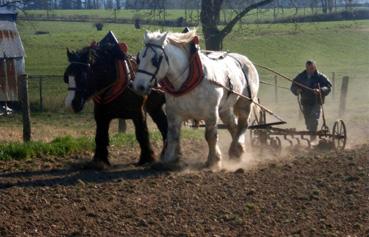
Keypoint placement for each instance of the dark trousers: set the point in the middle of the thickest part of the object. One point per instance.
(311, 115)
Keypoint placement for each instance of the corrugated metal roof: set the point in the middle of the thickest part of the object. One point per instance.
(10, 41)
(8, 10)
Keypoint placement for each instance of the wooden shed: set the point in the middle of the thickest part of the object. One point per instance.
(12, 55)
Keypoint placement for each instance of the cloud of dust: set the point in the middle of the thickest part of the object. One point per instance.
(253, 158)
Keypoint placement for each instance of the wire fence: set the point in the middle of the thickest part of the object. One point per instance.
(47, 92)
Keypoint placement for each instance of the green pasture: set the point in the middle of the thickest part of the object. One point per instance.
(173, 14)
(336, 46)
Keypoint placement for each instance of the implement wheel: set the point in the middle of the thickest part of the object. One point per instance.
(339, 135)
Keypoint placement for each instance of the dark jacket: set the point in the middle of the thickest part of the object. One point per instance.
(308, 97)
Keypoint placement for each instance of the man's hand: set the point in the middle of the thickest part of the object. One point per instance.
(316, 91)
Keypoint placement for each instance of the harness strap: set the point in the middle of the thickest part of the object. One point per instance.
(249, 99)
(115, 89)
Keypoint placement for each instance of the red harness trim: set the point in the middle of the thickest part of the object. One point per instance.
(121, 82)
(118, 87)
(196, 74)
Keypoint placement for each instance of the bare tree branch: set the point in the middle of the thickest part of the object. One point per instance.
(228, 28)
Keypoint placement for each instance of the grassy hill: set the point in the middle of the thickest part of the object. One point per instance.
(337, 46)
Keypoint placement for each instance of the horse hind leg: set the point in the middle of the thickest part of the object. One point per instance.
(242, 109)
(229, 119)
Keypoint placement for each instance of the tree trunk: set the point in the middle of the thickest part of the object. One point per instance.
(324, 6)
(214, 40)
(210, 15)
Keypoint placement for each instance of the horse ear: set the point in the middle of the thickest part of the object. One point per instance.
(163, 38)
(69, 54)
(146, 36)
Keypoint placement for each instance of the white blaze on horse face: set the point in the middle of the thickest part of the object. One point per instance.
(71, 93)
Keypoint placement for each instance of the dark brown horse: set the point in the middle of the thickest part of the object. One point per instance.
(93, 72)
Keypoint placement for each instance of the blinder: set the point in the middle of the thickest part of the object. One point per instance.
(156, 61)
(76, 89)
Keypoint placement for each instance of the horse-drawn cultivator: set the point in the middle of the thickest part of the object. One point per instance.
(267, 134)
(263, 134)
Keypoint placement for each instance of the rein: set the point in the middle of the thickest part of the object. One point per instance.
(249, 99)
(285, 77)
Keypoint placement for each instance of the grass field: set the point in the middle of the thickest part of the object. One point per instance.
(173, 14)
(265, 14)
(340, 47)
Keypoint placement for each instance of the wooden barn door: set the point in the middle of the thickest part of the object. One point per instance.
(8, 80)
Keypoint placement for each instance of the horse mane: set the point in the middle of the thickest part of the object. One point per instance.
(179, 39)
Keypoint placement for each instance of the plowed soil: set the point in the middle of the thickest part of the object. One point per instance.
(305, 193)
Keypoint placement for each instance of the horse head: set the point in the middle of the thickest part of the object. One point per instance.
(90, 70)
(165, 56)
(153, 63)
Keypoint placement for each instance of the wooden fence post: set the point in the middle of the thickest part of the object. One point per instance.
(5, 68)
(344, 89)
(122, 126)
(23, 97)
(41, 98)
(333, 85)
(276, 89)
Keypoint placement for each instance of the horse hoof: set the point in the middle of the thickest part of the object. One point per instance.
(143, 162)
(213, 165)
(97, 165)
(171, 166)
(236, 150)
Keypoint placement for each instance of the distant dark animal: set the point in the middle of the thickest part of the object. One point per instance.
(103, 73)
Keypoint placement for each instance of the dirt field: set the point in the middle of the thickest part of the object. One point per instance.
(310, 194)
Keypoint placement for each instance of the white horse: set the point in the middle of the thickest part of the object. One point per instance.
(166, 55)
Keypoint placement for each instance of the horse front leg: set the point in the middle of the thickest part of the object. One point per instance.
(211, 136)
(160, 119)
(172, 152)
(142, 135)
(100, 159)
(154, 106)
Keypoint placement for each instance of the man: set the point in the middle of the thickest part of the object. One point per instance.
(311, 99)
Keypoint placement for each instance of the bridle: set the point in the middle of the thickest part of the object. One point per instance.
(75, 88)
(156, 61)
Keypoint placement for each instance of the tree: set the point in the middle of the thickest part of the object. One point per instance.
(210, 17)
(118, 4)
